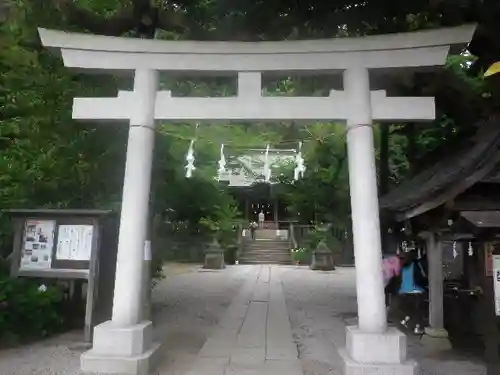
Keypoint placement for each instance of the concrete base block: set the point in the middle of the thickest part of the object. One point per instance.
(121, 350)
(388, 347)
(436, 340)
(127, 341)
(351, 367)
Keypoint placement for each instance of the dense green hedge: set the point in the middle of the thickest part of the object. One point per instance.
(29, 309)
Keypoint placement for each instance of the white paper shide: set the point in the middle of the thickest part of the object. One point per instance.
(74, 242)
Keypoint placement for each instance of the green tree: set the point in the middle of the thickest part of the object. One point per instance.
(322, 195)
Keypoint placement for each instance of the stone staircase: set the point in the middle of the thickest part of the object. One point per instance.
(267, 248)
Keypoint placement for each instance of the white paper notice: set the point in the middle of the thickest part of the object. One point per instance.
(147, 250)
(38, 243)
(74, 242)
(496, 282)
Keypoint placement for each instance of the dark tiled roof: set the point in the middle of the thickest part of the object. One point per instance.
(446, 173)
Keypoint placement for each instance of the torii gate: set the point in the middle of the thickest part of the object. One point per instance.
(124, 345)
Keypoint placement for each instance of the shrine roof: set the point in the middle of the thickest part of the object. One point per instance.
(448, 177)
(483, 219)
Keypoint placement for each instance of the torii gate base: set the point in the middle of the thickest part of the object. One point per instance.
(124, 345)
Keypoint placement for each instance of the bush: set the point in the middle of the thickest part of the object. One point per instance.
(230, 253)
(301, 255)
(29, 310)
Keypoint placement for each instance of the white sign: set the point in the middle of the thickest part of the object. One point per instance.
(147, 250)
(38, 243)
(74, 242)
(496, 282)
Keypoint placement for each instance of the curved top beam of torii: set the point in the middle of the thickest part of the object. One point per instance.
(381, 54)
(422, 48)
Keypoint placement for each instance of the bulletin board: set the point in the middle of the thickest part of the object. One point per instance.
(66, 245)
(57, 246)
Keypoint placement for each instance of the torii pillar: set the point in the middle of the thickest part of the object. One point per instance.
(123, 345)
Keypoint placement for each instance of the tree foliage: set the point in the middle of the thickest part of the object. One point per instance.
(48, 160)
(322, 195)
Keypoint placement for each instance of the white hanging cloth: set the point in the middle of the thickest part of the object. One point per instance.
(471, 249)
(190, 160)
(300, 167)
(222, 163)
(267, 168)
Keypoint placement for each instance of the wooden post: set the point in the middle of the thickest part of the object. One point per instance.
(436, 337)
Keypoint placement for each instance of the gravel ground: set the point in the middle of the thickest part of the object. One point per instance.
(320, 304)
(185, 306)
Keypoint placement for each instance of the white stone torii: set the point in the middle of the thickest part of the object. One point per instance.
(124, 345)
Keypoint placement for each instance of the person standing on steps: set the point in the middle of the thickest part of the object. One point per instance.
(261, 219)
(253, 228)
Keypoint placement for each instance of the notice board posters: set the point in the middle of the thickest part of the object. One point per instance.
(74, 242)
(38, 242)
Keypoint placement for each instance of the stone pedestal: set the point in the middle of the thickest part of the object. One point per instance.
(122, 350)
(377, 353)
(322, 258)
(436, 340)
(214, 257)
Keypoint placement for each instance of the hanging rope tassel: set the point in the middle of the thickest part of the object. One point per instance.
(222, 164)
(267, 168)
(190, 160)
(299, 161)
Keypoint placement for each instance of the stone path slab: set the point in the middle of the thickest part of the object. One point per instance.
(254, 336)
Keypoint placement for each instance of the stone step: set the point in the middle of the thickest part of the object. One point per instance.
(266, 256)
(265, 253)
(271, 249)
(280, 258)
(270, 259)
(266, 240)
(267, 246)
(270, 234)
(281, 262)
(270, 253)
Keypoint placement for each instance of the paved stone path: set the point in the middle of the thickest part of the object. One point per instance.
(254, 336)
(244, 320)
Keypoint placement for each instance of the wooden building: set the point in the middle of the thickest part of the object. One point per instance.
(246, 181)
(452, 211)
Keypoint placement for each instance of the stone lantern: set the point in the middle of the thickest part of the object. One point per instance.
(322, 258)
(214, 256)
